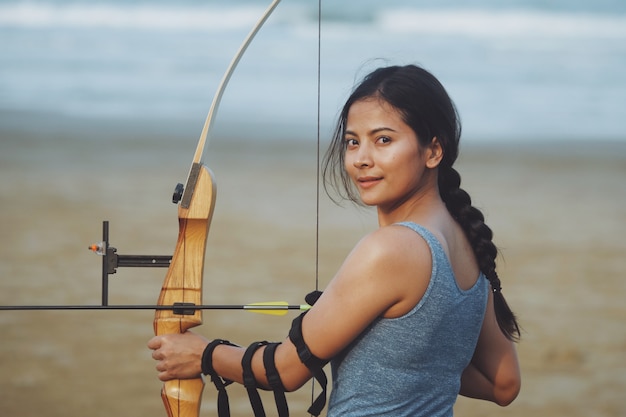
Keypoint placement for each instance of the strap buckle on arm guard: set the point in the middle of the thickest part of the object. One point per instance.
(312, 362)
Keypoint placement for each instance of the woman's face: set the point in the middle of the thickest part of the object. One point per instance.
(382, 154)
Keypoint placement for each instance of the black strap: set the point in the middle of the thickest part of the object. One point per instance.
(312, 297)
(249, 380)
(306, 356)
(273, 378)
(223, 407)
(312, 362)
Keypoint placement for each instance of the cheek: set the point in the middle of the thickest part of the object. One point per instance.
(411, 169)
(400, 163)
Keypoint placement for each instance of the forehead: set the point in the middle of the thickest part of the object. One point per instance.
(373, 112)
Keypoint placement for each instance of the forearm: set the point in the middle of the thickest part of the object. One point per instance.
(474, 384)
(493, 373)
(226, 361)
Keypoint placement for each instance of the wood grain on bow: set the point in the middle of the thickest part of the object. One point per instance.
(183, 282)
(183, 285)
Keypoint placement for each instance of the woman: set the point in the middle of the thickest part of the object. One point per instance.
(415, 314)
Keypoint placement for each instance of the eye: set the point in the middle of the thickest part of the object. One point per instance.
(383, 139)
(351, 142)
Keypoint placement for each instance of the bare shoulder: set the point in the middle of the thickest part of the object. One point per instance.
(399, 262)
(395, 242)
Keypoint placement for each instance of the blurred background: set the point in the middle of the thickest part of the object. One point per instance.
(102, 103)
(524, 69)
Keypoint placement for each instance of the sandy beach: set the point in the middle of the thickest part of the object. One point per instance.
(558, 211)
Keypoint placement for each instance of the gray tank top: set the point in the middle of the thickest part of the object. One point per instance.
(411, 365)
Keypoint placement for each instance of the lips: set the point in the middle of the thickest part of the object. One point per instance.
(367, 182)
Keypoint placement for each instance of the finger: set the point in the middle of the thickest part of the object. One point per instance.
(160, 367)
(164, 376)
(155, 343)
(164, 373)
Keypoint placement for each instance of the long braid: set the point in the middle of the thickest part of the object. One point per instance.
(472, 221)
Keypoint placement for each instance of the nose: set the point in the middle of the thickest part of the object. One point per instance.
(363, 158)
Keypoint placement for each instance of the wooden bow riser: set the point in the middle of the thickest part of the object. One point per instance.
(183, 285)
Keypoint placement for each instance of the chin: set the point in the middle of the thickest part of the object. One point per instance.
(370, 202)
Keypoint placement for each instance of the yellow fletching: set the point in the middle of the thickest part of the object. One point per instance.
(273, 308)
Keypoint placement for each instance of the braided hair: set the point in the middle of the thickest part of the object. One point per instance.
(426, 107)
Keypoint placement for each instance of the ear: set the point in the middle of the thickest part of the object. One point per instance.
(434, 153)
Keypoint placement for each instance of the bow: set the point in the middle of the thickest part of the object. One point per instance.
(183, 281)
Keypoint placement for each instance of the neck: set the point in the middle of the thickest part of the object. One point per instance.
(419, 208)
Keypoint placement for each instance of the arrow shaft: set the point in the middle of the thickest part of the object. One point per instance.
(269, 307)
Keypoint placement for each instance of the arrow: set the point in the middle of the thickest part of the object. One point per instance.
(274, 308)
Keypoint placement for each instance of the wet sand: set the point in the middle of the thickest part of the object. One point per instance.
(558, 213)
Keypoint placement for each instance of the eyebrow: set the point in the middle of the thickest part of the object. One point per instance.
(373, 131)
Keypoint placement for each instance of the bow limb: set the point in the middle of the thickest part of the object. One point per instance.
(183, 281)
(229, 72)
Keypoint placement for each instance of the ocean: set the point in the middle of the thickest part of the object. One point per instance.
(101, 105)
(517, 70)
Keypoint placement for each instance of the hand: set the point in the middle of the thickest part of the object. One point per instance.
(179, 356)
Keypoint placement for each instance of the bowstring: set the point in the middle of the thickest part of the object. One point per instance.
(317, 176)
(318, 146)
